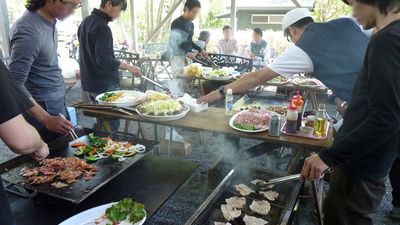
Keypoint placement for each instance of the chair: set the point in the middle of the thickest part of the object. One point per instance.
(126, 57)
(165, 57)
(147, 70)
(241, 64)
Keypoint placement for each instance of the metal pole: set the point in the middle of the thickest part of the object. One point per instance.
(133, 25)
(85, 9)
(4, 27)
(233, 17)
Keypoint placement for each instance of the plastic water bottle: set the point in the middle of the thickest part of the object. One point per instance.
(229, 103)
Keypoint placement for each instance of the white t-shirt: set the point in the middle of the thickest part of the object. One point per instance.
(294, 60)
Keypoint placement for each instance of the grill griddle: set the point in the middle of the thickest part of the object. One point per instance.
(281, 208)
(108, 168)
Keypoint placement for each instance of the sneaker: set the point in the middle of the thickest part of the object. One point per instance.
(395, 213)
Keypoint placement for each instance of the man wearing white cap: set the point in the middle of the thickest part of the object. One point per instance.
(333, 52)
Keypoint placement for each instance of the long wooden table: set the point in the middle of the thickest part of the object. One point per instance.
(214, 120)
(189, 82)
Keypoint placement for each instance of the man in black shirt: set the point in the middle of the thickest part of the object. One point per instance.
(367, 144)
(99, 68)
(12, 127)
(181, 37)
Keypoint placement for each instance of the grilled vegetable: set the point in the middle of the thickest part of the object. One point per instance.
(91, 158)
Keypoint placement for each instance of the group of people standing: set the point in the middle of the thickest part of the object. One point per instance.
(183, 46)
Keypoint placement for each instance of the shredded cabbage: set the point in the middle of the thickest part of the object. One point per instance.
(162, 106)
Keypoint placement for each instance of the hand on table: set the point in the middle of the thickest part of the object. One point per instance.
(215, 95)
(135, 71)
(41, 153)
(335, 120)
(313, 168)
(58, 125)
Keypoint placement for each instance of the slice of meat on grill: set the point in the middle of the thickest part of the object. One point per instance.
(260, 207)
(70, 181)
(59, 185)
(270, 195)
(230, 212)
(25, 172)
(219, 223)
(251, 220)
(243, 189)
(258, 180)
(89, 174)
(236, 202)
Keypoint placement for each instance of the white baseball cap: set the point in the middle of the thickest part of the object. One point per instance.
(293, 16)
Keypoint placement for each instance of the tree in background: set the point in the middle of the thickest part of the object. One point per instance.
(326, 10)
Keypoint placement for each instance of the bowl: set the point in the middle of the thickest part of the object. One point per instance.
(306, 131)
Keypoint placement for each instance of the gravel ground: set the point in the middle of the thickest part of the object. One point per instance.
(180, 207)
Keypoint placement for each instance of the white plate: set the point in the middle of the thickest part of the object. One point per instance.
(136, 94)
(90, 216)
(247, 131)
(277, 82)
(296, 82)
(164, 118)
(217, 78)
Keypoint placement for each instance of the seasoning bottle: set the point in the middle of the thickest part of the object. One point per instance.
(320, 121)
(291, 119)
(299, 103)
(229, 103)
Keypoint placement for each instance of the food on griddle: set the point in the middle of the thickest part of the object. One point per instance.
(230, 212)
(250, 107)
(236, 202)
(78, 144)
(65, 169)
(219, 223)
(162, 108)
(194, 70)
(243, 189)
(258, 180)
(155, 96)
(253, 119)
(59, 185)
(278, 79)
(218, 73)
(270, 195)
(260, 207)
(251, 220)
(278, 109)
(125, 209)
(121, 97)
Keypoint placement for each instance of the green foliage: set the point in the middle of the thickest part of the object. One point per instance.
(326, 10)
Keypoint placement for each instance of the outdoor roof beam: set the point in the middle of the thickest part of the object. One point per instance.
(296, 3)
(233, 17)
(155, 32)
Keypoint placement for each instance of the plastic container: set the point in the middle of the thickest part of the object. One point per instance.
(299, 103)
(306, 131)
(291, 119)
(229, 103)
(310, 121)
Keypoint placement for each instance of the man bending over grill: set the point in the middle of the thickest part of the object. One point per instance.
(368, 143)
(14, 128)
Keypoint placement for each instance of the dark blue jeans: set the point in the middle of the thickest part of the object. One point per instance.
(394, 176)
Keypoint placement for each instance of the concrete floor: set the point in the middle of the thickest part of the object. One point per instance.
(180, 207)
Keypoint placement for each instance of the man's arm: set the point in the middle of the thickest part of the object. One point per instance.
(11, 132)
(383, 120)
(104, 57)
(24, 50)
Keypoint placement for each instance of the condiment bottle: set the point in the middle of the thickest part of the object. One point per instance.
(299, 103)
(291, 119)
(320, 121)
(229, 103)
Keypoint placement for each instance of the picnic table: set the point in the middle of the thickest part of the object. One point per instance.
(199, 122)
(190, 83)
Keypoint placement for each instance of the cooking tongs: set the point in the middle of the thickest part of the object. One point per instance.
(159, 85)
(265, 184)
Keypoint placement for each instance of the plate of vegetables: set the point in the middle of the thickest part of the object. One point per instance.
(102, 148)
(251, 121)
(307, 82)
(278, 80)
(163, 110)
(121, 98)
(219, 74)
(124, 212)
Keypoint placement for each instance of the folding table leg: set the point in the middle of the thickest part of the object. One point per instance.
(170, 142)
(142, 131)
(127, 124)
(106, 125)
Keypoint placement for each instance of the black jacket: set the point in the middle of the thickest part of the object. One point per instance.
(99, 68)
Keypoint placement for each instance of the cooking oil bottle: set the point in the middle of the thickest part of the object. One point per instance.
(320, 121)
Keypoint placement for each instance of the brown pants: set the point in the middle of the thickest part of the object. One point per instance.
(350, 201)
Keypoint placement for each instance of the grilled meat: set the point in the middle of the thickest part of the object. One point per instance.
(59, 185)
(260, 207)
(270, 195)
(230, 212)
(236, 202)
(243, 189)
(251, 220)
